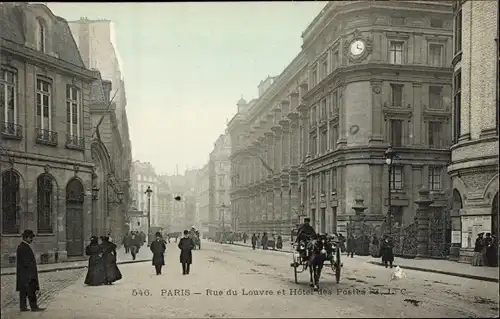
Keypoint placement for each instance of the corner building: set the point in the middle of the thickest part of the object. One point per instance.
(265, 156)
(379, 75)
(474, 153)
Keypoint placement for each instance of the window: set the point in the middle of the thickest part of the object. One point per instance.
(324, 68)
(435, 178)
(43, 104)
(323, 141)
(396, 51)
(44, 203)
(334, 104)
(436, 23)
(73, 110)
(435, 132)
(435, 97)
(42, 33)
(457, 32)
(397, 215)
(313, 115)
(8, 101)
(314, 145)
(324, 115)
(334, 131)
(322, 182)
(397, 94)
(313, 185)
(314, 77)
(397, 178)
(10, 202)
(457, 91)
(336, 60)
(334, 180)
(435, 55)
(221, 180)
(396, 132)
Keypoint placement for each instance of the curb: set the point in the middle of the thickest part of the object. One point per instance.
(449, 273)
(77, 267)
(250, 247)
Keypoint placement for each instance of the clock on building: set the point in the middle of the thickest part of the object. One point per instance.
(357, 47)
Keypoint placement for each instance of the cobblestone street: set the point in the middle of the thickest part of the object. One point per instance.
(264, 287)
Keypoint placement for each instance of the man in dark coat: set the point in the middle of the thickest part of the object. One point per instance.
(305, 231)
(254, 241)
(27, 273)
(186, 245)
(134, 244)
(158, 248)
(126, 242)
(386, 251)
(351, 245)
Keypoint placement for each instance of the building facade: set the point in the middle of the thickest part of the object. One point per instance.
(203, 191)
(45, 156)
(144, 176)
(265, 161)
(474, 154)
(164, 202)
(219, 182)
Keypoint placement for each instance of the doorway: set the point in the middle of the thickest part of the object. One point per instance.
(74, 218)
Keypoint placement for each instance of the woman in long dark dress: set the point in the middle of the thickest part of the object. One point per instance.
(109, 257)
(386, 251)
(95, 273)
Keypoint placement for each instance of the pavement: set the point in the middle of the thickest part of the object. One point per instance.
(234, 281)
(122, 258)
(445, 267)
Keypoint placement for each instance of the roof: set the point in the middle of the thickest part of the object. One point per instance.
(241, 101)
(12, 29)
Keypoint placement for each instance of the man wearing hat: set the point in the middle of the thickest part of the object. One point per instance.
(27, 273)
(305, 231)
(158, 248)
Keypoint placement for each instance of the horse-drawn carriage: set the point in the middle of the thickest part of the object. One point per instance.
(313, 253)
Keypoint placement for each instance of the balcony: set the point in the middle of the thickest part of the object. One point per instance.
(46, 137)
(75, 142)
(11, 131)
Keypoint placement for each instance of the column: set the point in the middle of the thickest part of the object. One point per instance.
(377, 135)
(423, 205)
(277, 166)
(270, 200)
(294, 173)
(342, 141)
(285, 136)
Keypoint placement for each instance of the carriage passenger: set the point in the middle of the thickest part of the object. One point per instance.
(305, 231)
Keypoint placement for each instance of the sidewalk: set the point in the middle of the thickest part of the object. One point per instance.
(122, 258)
(438, 266)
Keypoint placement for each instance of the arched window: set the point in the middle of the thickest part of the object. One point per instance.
(42, 34)
(44, 203)
(10, 202)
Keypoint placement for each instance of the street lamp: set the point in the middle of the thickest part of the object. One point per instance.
(119, 196)
(148, 192)
(390, 155)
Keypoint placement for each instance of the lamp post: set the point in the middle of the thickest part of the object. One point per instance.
(148, 192)
(95, 196)
(390, 155)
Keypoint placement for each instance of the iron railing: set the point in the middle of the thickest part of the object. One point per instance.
(11, 130)
(75, 142)
(46, 137)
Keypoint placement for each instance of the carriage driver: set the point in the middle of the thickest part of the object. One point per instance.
(306, 231)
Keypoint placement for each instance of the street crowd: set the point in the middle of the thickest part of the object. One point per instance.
(485, 251)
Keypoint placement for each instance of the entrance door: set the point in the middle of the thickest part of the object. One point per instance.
(74, 218)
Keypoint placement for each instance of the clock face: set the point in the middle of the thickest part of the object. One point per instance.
(357, 47)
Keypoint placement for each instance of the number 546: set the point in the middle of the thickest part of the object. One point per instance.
(139, 292)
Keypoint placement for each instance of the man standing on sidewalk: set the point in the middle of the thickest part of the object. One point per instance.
(27, 273)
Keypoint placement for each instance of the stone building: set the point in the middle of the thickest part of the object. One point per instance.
(203, 191)
(219, 170)
(379, 75)
(45, 135)
(164, 202)
(265, 155)
(474, 154)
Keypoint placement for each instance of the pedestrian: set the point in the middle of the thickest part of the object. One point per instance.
(477, 257)
(126, 242)
(342, 242)
(245, 237)
(386, 251)
(158, 248)
(112, 273)
(134, 244)
(279, 242)
(490, 254)
(374, 247)
(351, 245)
(254, 241)
(27, 273)
(186, 245)
(95, 272)
(264, 241)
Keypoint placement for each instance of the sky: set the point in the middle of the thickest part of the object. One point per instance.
(186, 65)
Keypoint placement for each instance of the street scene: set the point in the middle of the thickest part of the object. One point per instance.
(234, 281)
(249, 159)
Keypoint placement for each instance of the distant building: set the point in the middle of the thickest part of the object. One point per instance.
(203, 191)
(144, 176)
(474, 153)
(219, 166)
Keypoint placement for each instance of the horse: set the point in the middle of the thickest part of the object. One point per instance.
(319, 251)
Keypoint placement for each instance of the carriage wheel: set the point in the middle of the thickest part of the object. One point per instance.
(295, 274)
(338, 267)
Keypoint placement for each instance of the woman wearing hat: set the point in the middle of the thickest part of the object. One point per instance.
(95, 274)
(158, 248)
(109, 256)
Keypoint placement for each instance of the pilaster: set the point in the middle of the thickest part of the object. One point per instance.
(285, 144)
(277, 148)
(377, 136)
(294, 139)
(342, 141)
(304, 139)
(277, 197)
